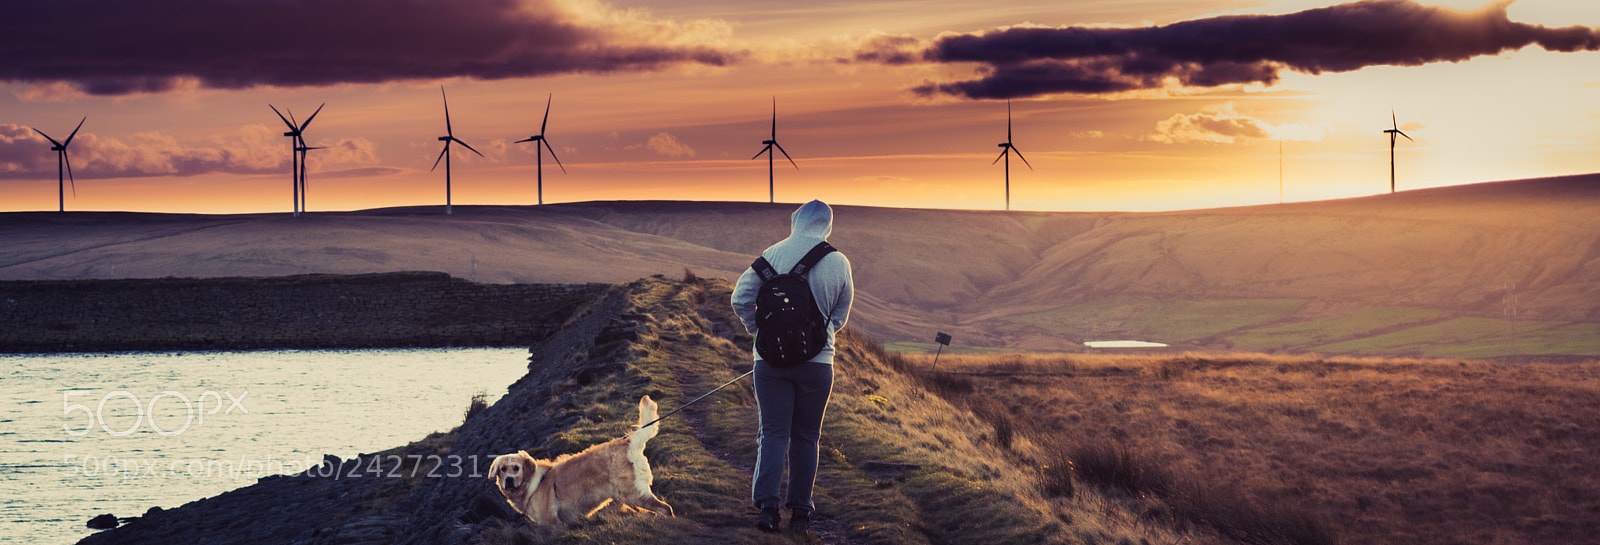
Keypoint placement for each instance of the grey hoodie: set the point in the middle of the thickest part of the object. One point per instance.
(831, 284)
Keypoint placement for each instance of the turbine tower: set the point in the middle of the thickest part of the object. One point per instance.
(773, 143)
(449, 136)
(1394, 134)
(540, 144)
(297, 154)
(1005, 153)
(63, 163)
(303, 169)
(301, 147)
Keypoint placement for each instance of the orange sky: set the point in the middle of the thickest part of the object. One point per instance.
(860, 135)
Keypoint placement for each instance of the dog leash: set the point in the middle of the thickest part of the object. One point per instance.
(696, 400)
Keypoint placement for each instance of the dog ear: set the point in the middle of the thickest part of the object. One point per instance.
(497, 467)
(538, 475)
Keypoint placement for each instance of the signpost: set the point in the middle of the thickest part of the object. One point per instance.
(944, 340)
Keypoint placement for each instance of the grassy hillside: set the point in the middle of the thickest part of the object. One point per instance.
(908, 457)
(900, 464)
(1383, 450)
(1079, 449)
(1507, 269)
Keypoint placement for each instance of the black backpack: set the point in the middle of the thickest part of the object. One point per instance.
(790, 329)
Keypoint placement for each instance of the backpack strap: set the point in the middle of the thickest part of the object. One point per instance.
(822, 249)
(763, 269)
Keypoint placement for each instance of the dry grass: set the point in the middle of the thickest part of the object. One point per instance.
(479, 402)
(1379, 450)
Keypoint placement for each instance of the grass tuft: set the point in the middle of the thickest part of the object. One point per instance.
(1056, 474)
(999, 420)
(1119, 466)
(480, 401)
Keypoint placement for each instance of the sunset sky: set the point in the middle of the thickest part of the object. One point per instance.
(1117, 104)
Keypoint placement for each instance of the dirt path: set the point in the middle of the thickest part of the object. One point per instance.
(824, 530)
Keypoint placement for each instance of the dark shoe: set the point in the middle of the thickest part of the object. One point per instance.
(768, 521)
(799, 521)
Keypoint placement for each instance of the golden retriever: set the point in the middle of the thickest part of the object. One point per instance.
(575, 486)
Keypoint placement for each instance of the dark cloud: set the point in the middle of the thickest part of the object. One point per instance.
(113, 47)
(1028, 61)
(887, 49)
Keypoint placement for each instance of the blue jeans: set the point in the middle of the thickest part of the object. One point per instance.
(791, 401)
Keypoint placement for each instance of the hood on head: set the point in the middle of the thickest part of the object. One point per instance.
(812, 220)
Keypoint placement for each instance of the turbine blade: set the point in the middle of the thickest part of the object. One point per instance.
(763, 150)
(774, 118)
(47, 137)
(68, 160)
(1024, 159)
(528, 139)
(546, 121)
(285, 119)
(441, 156)
(74, 132)
(458, 141)
(546, 143)
(447, 130)
(1008, 120)
(1001, 156)
(1394, 120)
(1408, 137)
(785, 154)
(313, 116)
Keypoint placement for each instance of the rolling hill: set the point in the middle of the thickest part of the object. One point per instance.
(1506, 269)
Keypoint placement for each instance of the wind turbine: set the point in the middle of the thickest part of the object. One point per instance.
(303, 169)
(1005, 153)
(297, 153)
(449, 136)
(1394, 133)
(62, 162)
(303, 148)
(539, 145)
(773, 143)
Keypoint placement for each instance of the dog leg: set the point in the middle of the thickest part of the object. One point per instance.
(655, 505)
(597, 508)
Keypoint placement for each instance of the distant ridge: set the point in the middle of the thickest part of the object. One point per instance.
(1502, 269)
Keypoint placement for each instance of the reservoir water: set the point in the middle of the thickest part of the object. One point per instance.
(1124, 344)
(87, 434)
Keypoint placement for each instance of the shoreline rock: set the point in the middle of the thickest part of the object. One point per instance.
(104, 522)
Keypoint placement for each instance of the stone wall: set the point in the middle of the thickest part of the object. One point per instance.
(405, 309)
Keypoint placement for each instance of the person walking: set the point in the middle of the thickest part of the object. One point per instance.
(791, 399)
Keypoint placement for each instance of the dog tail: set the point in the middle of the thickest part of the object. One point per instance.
(647, 413)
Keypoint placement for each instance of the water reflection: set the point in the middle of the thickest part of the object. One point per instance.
(85, 434)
